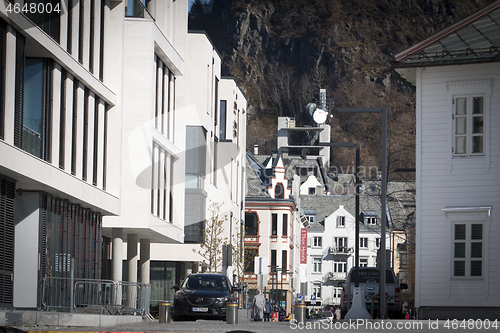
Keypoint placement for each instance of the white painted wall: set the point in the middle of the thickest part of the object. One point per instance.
(444, 182)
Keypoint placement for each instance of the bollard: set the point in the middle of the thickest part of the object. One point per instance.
(232, 313)
(164, 309)
(300, 313)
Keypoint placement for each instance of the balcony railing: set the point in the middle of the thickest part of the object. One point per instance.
(337, 250)
(32, 141)
(334, 276)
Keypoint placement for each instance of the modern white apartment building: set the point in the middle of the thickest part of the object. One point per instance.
(92, 141)
(148, 47)
(56, 104)
(215, 136)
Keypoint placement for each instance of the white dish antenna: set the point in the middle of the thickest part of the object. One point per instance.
(320, 116)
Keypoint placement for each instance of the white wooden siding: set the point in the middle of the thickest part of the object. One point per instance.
(461, 182)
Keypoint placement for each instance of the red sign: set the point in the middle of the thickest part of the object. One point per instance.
(303, 246)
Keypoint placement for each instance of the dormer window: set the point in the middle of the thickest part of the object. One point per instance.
(370, 220)
(279, 191)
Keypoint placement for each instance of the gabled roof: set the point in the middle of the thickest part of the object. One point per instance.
(475, 39)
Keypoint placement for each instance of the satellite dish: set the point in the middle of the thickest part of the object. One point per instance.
(320, 116)
(310, 108)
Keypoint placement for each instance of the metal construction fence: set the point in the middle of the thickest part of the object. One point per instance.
(96, 296)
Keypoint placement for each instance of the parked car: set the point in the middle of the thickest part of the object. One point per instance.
(202, 296)
(369, 283)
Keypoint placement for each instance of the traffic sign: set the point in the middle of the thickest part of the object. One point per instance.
(313, 297)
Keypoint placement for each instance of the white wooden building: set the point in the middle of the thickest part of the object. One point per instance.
(456, 73)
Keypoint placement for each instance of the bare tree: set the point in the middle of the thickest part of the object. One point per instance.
(211, 245)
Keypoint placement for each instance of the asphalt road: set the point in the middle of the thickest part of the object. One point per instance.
(246, 325)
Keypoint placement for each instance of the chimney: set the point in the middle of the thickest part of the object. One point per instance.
(256, 149)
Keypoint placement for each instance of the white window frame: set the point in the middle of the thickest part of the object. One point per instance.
(377, 243)
(469, 90)
(371, 220)
(343, 240)
(316, 289)
(317, 242)
(317, 263)
(468, 216)
(363, 242)
(340, 266)
(467, 243)
(363, 262)
(468, 118)
(341, 221)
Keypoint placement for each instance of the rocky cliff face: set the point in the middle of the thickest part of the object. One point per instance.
(283, 51)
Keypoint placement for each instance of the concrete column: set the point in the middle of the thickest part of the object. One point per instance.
(132, 257)
(116, 259)
(117, 255)
(144, 261)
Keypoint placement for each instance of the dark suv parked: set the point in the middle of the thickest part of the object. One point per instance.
(202, 296)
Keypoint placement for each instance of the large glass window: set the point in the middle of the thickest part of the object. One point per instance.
(37, 113)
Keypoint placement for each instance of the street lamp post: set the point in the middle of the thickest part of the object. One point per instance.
(356, 240)
(383, 200)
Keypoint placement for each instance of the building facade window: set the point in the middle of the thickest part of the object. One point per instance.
(284, 254)
(163, 99)
(377, 242)
(317, 262)
(317, 241)
(340, 266)
(196, 154)
(274, 262)
(285, 225)
(340, 244)
(316, 290)
(251, 224)
(370, 220)
(340, 221)
(161, 189)
(467, 250)
(279, 191)
(37, 108)
(250, 254)
(363, 262)
(274, 224)
(222, 120)
(363, 242)
(469, 130)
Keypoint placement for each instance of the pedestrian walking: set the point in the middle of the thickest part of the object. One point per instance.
(267, 310)
(258, 306)
(338, 313)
